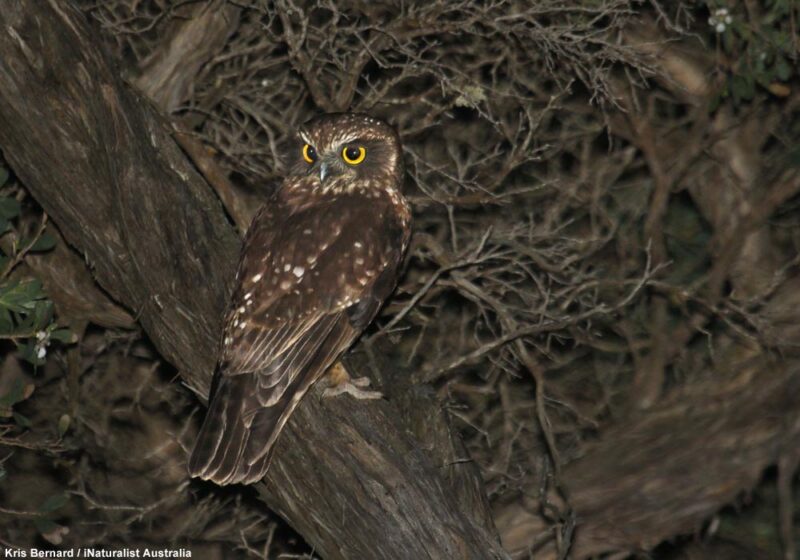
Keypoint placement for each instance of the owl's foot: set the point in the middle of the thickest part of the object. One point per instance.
(340, 382)
(353, 387)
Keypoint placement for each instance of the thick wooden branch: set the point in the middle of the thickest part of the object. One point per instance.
(666, 471)
(680, 463)
(168, 73)
(103, 164)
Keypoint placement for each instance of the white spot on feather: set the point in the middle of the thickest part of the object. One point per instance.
(298, 271)
(257, 277)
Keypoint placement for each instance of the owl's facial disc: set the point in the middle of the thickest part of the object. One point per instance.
(344, 149)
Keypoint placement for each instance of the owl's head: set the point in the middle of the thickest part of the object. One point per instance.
(341, 149)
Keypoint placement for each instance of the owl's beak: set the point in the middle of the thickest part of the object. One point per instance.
(323, 171)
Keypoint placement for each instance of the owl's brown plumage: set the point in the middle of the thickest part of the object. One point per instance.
(317, 263)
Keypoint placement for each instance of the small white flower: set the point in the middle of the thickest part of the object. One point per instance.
(40, 348)
(720, 20)
(42, 341)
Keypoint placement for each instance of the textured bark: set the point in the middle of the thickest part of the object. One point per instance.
(677, 465)
(168, 73)
(666, 471)
(104, 166)
(167, 76)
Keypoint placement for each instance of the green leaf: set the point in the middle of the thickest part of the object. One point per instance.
(40, 316)
(6, 322)
(9, 207)
(28, 352)
(4, 173)
(22, 421)
(65, 336)
(782, 69)
(15, 395)
(45, 242)
(742, 88)
(54, 502)
(21, 297)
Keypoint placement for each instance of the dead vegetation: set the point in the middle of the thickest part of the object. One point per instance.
(601, 291)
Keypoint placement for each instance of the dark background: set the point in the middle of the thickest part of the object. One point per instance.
(601, 299)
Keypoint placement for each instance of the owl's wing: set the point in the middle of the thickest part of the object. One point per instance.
(306, 288)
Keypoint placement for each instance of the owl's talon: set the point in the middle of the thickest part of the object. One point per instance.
(341, 382)
(353, 386)
(360, 381)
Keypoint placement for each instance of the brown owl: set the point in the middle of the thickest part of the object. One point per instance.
(317, 263)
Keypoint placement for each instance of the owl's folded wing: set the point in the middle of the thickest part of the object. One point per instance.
(300, 278)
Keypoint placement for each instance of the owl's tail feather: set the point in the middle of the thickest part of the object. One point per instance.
(238, 436)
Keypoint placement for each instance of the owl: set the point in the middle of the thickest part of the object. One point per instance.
(317, 263)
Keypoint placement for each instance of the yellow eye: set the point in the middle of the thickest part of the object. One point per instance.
(354, 154)
(309, 153)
